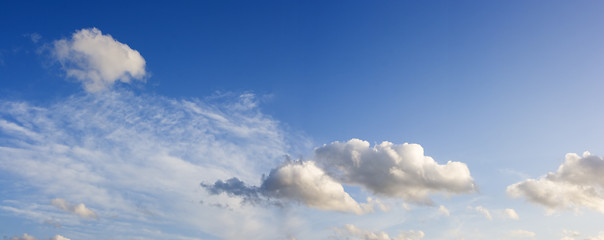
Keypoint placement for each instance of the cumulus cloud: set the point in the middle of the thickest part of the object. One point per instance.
(511, 214)
(77, 209)
(59, 237)
(350, 231)
(137, 159)
(577, 183)
(393, 170)
(443, 210)
(24, 237)
(521, 234)
(97, 60)
(299, 181)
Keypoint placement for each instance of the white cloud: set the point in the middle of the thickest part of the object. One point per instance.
(59, 237)
(305, 182)
(77, 209)
(569, 234)
(443, 210)
(350, 231)
(139, 159)
(577, 183)
(98, 60)
(511, 214)
(393, 170)
(24, 237)
(521, 234)
(599, 237)
(484, 211)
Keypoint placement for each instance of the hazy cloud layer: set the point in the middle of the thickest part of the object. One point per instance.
(98, 60)
(393, 170)
(77, 209)
(137, 159)
(577, 183)
(350, 231)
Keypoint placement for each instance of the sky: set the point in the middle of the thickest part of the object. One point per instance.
(384, 120)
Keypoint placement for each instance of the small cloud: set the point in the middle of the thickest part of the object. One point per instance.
(569, 234)
(78, 209)
(24, 237)
(511, 214)
(59, 237)
(577, 183)
(521, 234)
(34, 37)
(443, 210)
(97, 60)
(350, 231)
(484, 212)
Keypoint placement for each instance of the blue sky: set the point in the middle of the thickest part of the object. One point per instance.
(187, 136)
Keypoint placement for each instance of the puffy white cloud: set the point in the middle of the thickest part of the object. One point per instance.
(77, 209)
(24, 237)
(305, 182)
(511, 213)
(350, 231)
(521, 234)
(393, 170)
(59, 237)
(298, 181)
(443, 210)
(599, 237)
(98, 60)
(483, 211)
(577, 183)
(139, 158)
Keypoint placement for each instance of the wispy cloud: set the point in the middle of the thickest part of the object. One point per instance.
(136, 159)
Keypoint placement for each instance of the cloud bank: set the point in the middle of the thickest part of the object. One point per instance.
(576, 184)
(98, 60)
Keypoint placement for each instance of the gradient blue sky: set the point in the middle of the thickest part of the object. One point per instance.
(506, 87)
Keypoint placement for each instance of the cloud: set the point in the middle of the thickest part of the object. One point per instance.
(443, 210)
(511, 214)
(577, 183)
(349, 231)
(298, 181)
(98, 60)
(569, 234)
(24, 237)
(59, 237)
(484, 212)
(521, 234)
(393, 170)
(138, 159)
(77, 209)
